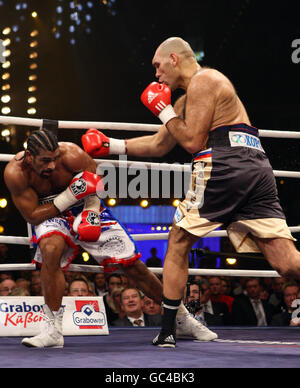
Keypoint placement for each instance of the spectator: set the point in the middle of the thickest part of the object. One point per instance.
(112, 282)
(23, 283)
(91, 286)
(225, 286)
(150, 307)
(6, 287)
(283, 318)
(216, 295)
(69, 275)
(36, 285)
(79, 287)
(100, 284)
(265, 292)
(276, 296)
(126, 282)
(116, 301)
(202, 307)
(153, 261)
(132, 305)
(5, 275)
(250, 310)
(19, 291)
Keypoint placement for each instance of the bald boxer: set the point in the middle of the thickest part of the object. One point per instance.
(54, 187)
(232, 182)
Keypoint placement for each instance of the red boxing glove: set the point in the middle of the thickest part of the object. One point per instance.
(88, 226)
(157, 98)
(96, 144)
(82, 185)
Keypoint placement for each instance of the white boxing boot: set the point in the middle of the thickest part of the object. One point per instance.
(51, 331)
(189, 327)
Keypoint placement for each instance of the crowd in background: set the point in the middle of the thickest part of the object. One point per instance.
(215, 301)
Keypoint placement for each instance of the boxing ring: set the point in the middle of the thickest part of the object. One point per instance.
(131, 347)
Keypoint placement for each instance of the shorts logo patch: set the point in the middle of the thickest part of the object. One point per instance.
(241, 139)
(112, 246)
(177, 215)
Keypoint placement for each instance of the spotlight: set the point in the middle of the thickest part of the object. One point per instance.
(33, 44)
(6, 65)
(85, 256)
(6, 31)
(34, 33)
(6, 110)
(5, 76)
(5, 99)
(111, 202)
(31, 111)
(6, 42)
(175, 203)
(3, 203)
(31, 100)
(5, 133)
(34, 14)
(33, 55)
(231, 260)
(5, 86)
(6, 53)
(1, 228)
(144, 203)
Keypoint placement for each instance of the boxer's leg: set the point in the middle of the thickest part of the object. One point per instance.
(145, 280)
(53, 280)
(282, 255)
(53, 283)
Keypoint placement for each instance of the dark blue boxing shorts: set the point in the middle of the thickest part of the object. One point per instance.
(233, 185)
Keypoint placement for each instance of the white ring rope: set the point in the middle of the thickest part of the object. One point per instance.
(137, 237)
(158, 166)
(31, 122)
(10, 120)
(191, 271)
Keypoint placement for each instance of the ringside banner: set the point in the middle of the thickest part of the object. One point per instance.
(21, 316)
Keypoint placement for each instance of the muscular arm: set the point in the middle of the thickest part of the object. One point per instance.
(26, 198)
(156, 145)
(192, 132)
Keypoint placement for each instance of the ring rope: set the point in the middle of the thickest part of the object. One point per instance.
(191, 271)
(11, 120)
(159, 166)
(137, 237)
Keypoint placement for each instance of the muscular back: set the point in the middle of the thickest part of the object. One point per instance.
(229, 109)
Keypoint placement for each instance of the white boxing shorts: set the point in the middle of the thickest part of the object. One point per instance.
(114, 248)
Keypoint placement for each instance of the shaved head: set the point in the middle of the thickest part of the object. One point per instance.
(177, 46)
(175, 63)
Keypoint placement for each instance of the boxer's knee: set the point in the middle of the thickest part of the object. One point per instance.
(52, 249)
(181, 241)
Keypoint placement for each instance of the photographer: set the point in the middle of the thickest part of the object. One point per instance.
(199, 304)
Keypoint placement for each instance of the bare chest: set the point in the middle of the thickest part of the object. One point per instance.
(55, 184)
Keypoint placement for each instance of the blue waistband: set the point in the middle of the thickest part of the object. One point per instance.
(237, 127)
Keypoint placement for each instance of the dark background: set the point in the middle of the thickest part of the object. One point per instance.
(101, 77)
